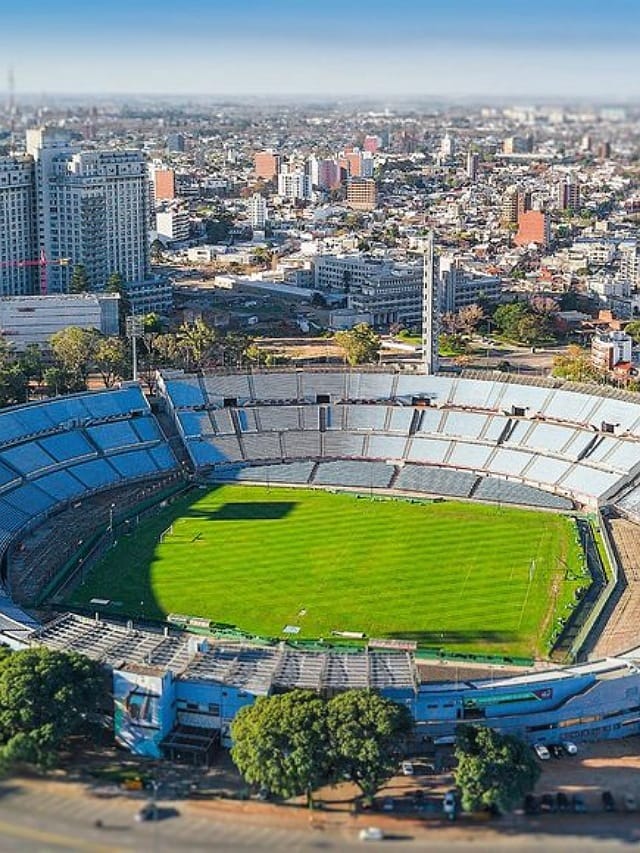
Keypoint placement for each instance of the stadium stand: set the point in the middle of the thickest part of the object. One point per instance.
(374, 475)
(436, 481)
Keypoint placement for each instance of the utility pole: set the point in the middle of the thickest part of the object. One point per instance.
(134, 329)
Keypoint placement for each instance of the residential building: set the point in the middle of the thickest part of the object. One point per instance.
(176, 143)
(472, 165)
(173, 225)
(18, 236)
(610, 349)
(294, 185)
(164, 184)
(28, 320)
(92, 209)
(569, 194)
(533, 227)
(266, 164)
(258, 212)
(362, 194)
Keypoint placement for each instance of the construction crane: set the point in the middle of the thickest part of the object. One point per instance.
(43, 262)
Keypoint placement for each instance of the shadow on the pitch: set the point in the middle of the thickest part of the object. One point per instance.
(454, 638)
(250, 511)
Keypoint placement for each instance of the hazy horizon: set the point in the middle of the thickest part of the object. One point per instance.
(461, 49)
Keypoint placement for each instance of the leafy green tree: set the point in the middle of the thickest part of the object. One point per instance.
(195, 342)
(74, 351)
(633, 329)
(57, 381)
(45, 696)
(493, 770)
(360, 345)
(79, 279)
(110, 358)
(156, 251)
(31, 362)
(367, 734)
(507, 317)
(529, 328)
(280, 743)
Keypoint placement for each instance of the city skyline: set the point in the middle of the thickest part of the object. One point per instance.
(566, 49)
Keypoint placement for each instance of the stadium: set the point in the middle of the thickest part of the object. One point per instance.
(196, 544)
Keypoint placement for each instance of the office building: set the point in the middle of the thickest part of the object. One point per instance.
(460, 287)
(176, 143)
(362, 194)
(19, 274)
(266, 164)
(28, 320)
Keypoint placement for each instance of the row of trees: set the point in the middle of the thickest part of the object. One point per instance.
(294, 743)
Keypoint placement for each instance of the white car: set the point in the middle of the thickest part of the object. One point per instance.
(407, 768)
(569, 747)
(450, 804)
(371, 833)
(541, 751)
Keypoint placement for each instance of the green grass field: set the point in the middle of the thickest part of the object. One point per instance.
(459, 576)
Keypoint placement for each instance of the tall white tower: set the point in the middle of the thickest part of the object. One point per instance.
(430, 310)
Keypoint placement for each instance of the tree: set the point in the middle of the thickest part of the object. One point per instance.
(575, 365)
(156, 251)
(469, 317)
(110, 359)
(45, 696)
(360, 345)
(31, 362)
(633, 329)
(507, 317)
(196, 341)
(115, 283)
(493, 770)
(74, 350)
(79, 279)
(367, 734)
(280, 743)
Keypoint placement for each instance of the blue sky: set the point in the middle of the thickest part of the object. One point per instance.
(272, 47)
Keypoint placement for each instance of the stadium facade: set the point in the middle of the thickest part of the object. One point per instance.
(546, 445)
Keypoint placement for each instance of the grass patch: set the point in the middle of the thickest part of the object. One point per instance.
(464, 577)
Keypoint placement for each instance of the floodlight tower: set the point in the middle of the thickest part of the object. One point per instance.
(430, 309)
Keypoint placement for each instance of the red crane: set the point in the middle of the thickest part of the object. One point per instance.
(41, 262)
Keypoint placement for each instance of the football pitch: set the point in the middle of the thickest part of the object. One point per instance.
(459, 576)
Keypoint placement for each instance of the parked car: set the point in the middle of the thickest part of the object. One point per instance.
(629, 800)
(407, 768)
(578, 804)
(149, 811)
(541, 751)
(388, 805)
(608, 803)
(450, 804)
(547, 803)
(569, 747)
(562, 802)
(371, 833)
(556, 750)
(531, 805)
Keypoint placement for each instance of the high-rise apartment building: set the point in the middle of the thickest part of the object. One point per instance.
(569, 194)
(164, 184)
(258, 212)
(266, 164)
(533, 227)
(362, 194)
(92, 209)
(18, 237)
(294, 185)
(472, 165)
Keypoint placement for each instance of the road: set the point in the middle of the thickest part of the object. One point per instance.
(37, 817)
